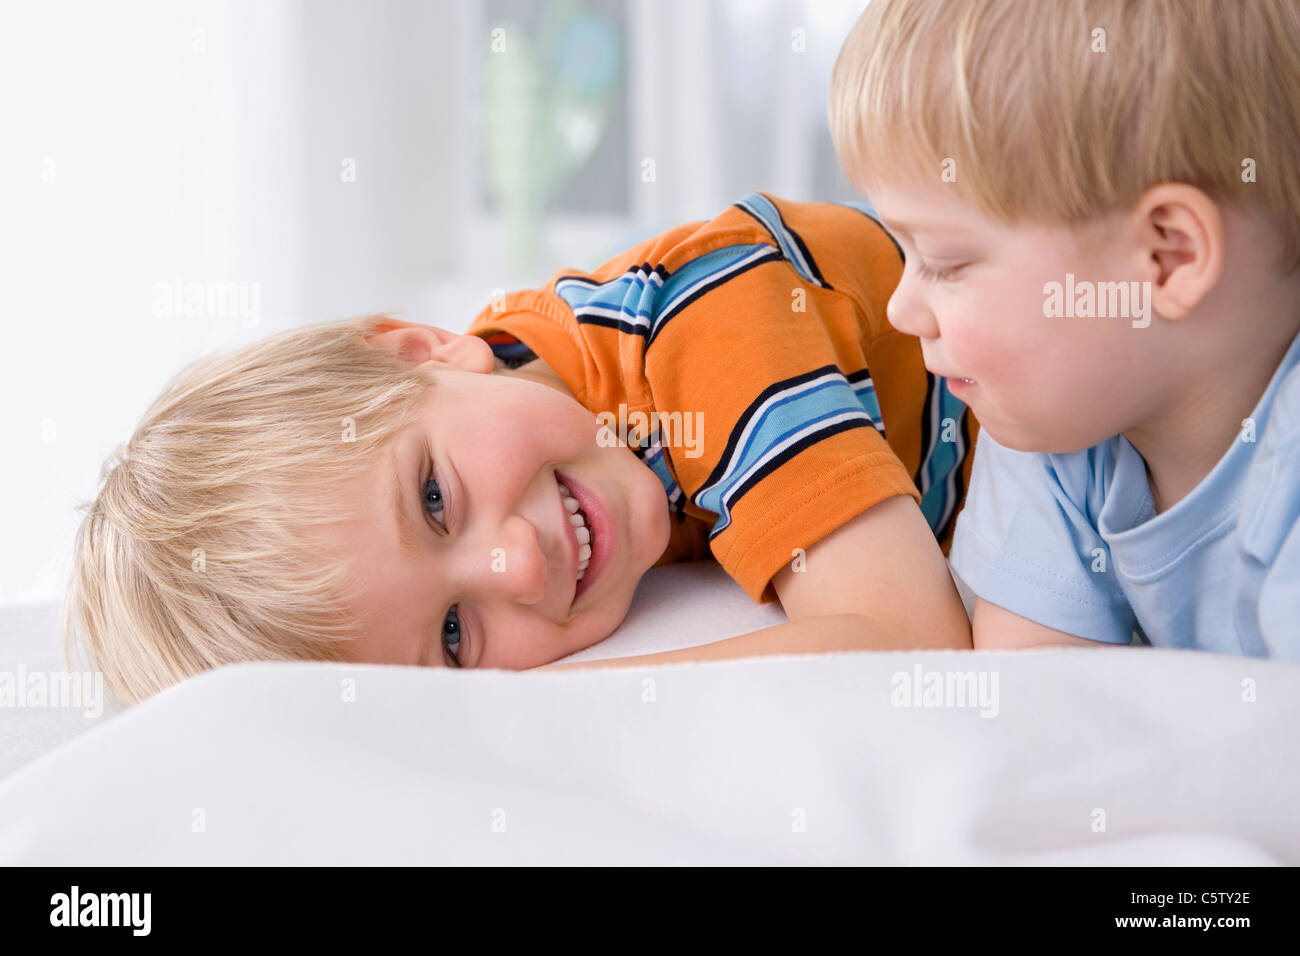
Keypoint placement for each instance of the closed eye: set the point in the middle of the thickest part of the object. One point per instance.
(936, 275)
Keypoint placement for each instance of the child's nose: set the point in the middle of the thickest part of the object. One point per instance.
(907, 313)
(510, 564)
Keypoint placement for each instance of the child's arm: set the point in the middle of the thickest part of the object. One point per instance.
(996, 628)
(878, 582)
(885, 565)
(812, 635)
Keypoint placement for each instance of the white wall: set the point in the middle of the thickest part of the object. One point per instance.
(145, 141)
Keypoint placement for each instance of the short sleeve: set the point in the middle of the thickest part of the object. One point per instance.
(1026, 541)
(790, 445)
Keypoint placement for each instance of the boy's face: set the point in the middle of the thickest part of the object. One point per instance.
(1036, 383)
(480, 458)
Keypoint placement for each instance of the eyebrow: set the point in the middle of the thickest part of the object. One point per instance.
(399, 501)
(925, 226)
(894, 225)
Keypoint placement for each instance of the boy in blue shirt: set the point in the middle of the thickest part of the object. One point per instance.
(1099, 206)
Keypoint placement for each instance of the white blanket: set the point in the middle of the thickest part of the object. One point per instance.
(1071, 756)
(676, 606)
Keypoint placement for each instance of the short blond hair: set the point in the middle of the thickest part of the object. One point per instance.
(1041, 126)
(194, 553)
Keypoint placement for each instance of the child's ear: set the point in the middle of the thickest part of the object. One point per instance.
(423, 343)
(386, 323)
(414, 342)
(1182, 241)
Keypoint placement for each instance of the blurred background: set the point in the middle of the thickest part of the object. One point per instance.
(179, 178)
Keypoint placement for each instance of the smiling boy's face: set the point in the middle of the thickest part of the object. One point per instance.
(1036, 383)
(486, 532)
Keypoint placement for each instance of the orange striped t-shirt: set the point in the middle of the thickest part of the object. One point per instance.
(766, 327)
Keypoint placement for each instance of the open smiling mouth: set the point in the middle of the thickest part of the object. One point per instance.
(581, 529)
(590, 521)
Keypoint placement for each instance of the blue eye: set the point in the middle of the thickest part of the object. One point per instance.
(451, 635)
(434, 499)
(451, 631)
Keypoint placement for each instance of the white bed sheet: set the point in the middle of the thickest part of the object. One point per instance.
(29, 644)
(1124, 756)
(675, 606)
(680, 605)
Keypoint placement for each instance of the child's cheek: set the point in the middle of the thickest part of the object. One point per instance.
(979, 348)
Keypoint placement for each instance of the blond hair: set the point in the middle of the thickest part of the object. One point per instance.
(1041, 124)
(193, 553)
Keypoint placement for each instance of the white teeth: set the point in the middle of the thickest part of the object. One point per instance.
(580, 529)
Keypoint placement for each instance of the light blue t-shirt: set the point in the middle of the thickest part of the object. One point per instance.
(1073, 541)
